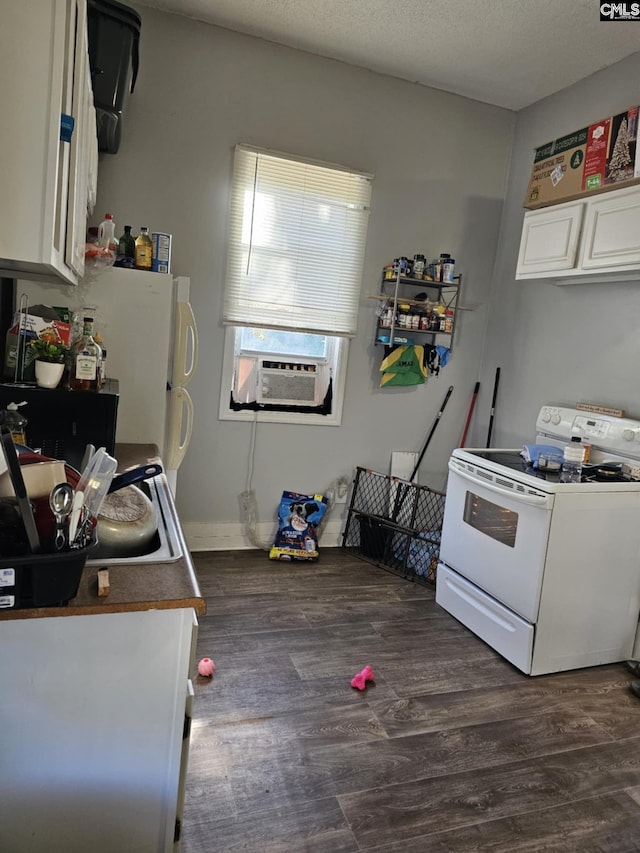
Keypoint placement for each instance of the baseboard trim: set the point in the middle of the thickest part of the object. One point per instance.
(203, 536)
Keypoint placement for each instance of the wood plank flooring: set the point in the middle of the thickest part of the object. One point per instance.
(451, 750)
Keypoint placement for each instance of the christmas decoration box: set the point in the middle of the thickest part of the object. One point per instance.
(603, 156)
(557, 170)
(623, 161)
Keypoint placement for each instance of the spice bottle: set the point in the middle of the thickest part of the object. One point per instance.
(418, 266)
(448, 320)
(448, 268)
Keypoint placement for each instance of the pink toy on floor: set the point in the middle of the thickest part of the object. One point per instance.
(206, 667)
(359, 681)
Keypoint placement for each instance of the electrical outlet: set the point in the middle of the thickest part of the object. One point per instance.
(341, 492)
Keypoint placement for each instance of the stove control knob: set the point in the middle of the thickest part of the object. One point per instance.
(546, 416)
(555, 420)
(628, 434)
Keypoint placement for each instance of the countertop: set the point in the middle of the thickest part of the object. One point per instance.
(133, 586)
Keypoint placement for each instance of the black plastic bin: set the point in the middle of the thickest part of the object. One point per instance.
(114, 39)
(374, 538)
(41, 580)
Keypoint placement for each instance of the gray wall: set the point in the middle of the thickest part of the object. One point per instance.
(440, 164)
(562, 344)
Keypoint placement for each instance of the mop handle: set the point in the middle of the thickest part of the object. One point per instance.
(471, 407)
(493, 405)
(431, 432)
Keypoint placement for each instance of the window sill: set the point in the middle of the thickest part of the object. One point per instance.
(281, 418)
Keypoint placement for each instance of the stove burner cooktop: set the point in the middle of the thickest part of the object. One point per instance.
(603, 473)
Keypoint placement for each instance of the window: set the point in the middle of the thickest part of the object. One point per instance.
(297, 234)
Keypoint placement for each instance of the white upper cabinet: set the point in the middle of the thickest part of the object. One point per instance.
(550, 240)
(593, 240)
(49, 181)
(612, 231)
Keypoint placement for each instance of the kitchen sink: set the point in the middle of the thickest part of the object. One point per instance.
(166, 545)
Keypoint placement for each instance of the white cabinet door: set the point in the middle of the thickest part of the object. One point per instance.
(44, 185)
(550, 240)
(612, 230)
(92, 710)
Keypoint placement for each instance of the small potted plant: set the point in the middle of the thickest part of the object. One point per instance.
(49, 354)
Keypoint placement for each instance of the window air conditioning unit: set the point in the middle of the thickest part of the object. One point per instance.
(287, 384)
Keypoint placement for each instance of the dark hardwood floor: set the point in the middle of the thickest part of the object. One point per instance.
(451, 750)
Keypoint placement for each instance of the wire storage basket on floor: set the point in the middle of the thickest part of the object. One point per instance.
(395, 524)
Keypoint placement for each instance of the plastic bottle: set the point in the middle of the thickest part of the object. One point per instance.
(572, 461)
(144, 250)
(107, 234)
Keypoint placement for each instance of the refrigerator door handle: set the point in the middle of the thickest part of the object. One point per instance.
(186, 345)
(179, 427)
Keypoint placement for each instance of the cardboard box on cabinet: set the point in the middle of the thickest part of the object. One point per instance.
(603, 156)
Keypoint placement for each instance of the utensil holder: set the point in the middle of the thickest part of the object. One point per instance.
(42, 580)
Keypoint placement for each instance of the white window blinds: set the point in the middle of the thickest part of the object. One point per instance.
(297, 234)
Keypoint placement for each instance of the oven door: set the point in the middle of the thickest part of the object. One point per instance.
(495, 534)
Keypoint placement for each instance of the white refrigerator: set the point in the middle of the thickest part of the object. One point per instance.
(150, 335)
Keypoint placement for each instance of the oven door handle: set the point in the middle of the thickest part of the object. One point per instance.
(544, 501)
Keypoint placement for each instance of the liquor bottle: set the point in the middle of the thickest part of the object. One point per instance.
(144, 250)
(126, 249)
(86, 359)
(102, 367)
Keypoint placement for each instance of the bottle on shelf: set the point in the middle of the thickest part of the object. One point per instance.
(107, 234)
(573, 457)
(85, 361)
(418, 266)
(448, 320)
(126, 256)
(16, 422)
(143, 250)
(448, 268)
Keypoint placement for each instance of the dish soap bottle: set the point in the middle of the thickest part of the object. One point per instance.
(144, 250)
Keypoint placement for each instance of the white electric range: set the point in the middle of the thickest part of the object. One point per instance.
(547, 573)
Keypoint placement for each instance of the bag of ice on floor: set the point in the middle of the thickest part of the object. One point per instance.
(298, 517)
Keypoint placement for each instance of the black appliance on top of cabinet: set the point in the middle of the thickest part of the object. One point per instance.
(60, 423)
(114, 38)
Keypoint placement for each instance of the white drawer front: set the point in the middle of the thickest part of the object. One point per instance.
(498, 626)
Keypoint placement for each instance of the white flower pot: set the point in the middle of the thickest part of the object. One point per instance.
(48, 374)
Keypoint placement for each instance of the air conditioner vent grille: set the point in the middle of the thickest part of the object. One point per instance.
(287, 384)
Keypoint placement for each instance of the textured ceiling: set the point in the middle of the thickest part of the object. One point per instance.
(510, 53)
